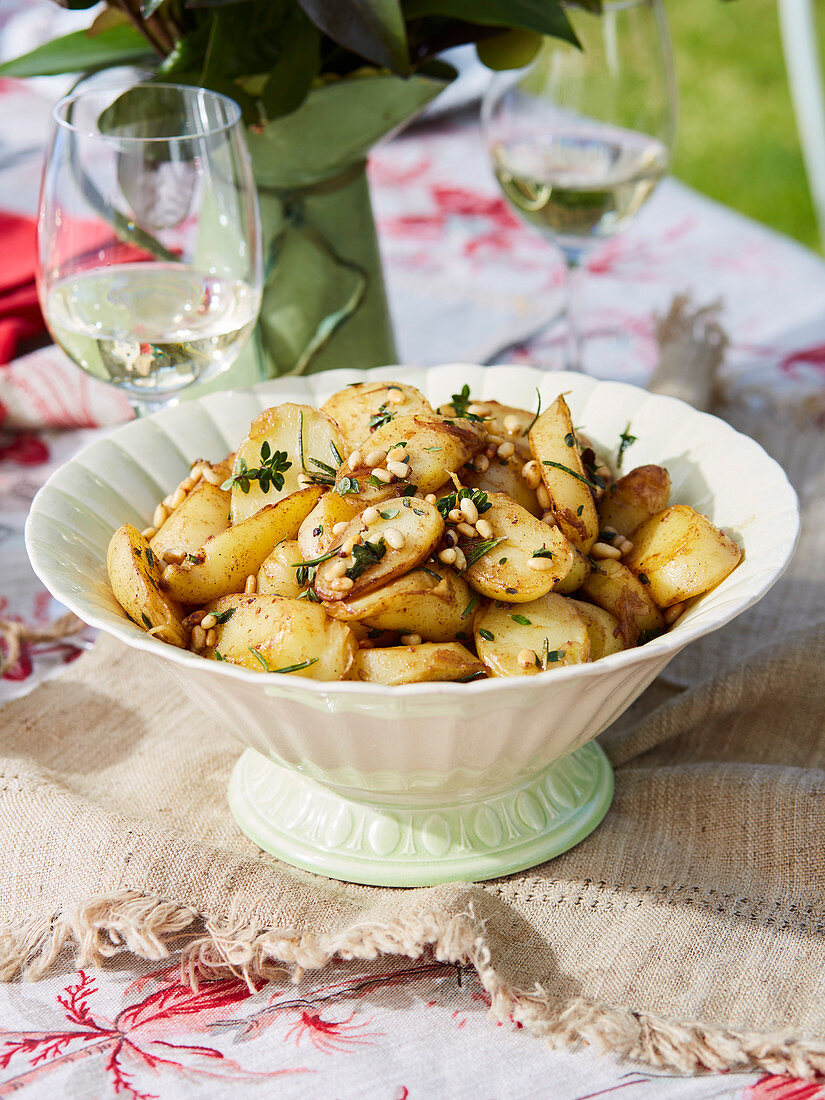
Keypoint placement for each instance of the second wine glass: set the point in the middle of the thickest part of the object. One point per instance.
(580, 139)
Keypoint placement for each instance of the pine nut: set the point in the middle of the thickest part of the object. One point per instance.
(602, 550)
(365, 643)
(337, 528)
(532, 474)
(341, 584)
(187, 485)
(467, 530)
(484, 529)
(211, 637)
(451, 537)
(448, 556)
(346, 547)
(211, 476)
(548, 517)
(369, 516)
(541, 565)
(251, 586)
(543, 498)
(469, 509)
(671, 614)
(382, 475)
(431, 498)
(395, 397)
(160, 517)
(208, 621)
(178, 497)
(196, 473)
(195, 619)
(198, 638)
(506, 450)
(336, 569)
(394, 538)
(478, 410)
(400, 469)
(623, 545)
(526, 658)
(376, 458)
(402, 457)
(456, 515)
(460, 560)
(411, 639)
(490, 451)
(354, 460)
(512, 424)
(481, 463)
(149, 532)
(171, 558)
(496, 440)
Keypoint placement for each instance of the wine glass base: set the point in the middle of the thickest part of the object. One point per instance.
(340, 836)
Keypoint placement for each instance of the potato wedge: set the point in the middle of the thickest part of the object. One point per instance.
(311, 442)
(368, 552)
(415, 664)
(137, 584)
(315, 534)
(680, 553)
(544, 634)
(431, 600)
(553, 445)
(503, 475)
(434, 446)
(359, 409)
(631, 500)
(612, 586)
(271, 634)
(224, 562)
(204, 512)
(504, 572)
(604, 629)
(277, 576)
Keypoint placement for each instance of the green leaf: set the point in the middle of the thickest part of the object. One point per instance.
(375, 29)
(292, 76)
(543, 16)
(81, 52)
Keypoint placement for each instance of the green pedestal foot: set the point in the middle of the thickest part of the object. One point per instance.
(421, 843)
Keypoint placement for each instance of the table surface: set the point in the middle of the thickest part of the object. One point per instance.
(467, 282)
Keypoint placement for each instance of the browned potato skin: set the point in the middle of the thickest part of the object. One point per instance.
(417, 603)
(612, 586)
(634, 498)
(415, 664)
(604, 629)
(682, 554)
(139, 588)
(353, 407)
(569, 496)
(504, 476)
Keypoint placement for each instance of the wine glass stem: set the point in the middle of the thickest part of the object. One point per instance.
(573, 279)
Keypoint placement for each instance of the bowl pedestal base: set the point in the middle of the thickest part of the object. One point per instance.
(420, 840)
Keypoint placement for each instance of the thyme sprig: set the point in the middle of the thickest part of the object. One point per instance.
(446, 504)
(364, 555)
(274, 465)
(625, 440)
(460, 401)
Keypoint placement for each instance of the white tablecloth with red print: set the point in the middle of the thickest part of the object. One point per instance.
(467, 282)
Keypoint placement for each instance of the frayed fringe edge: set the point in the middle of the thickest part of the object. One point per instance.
(101, 927)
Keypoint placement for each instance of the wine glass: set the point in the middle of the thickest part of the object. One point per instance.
(580, 139)
(149, 237)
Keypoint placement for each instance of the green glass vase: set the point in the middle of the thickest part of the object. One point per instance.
(324, 302)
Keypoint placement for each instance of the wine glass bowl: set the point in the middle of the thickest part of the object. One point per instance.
(150, 268)
(580, 139)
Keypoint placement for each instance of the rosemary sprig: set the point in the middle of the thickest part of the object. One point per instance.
(316, 561)
(470, 608)
(535, 418)
(567, 470)
(478, 550)
(446, 504)
(287, 668)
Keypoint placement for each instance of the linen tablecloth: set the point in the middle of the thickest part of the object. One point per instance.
(465, 280)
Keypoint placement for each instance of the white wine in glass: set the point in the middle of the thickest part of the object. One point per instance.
(581, 138)
(149, 238)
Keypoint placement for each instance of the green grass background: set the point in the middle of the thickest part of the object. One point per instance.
(737, 138)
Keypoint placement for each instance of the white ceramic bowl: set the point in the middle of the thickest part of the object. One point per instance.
(428, 781)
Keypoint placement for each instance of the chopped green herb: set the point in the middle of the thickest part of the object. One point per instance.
(147, 622)
(580, 509)
(548, 655)
(409, 491)
(431, 572)
(625, 440)
(570, 439)
(270, 473)
(481, 548)
(470, 608)
(471, 677)
(193, 558)
(364, 555)
(460, 401)
(382, 417)
(419, 511)
(319, 530)
(543, 552)
(336, 453)
(567, 470)
(150, 557)
(643, 577)
(446, 504)
(259, 657)
(376, 482)
(138, 552)
(316, 561)
(400, 443)
(486, 635)
(535, 418)
(522, 620)
(347, 485)
(305, 576)
(405, 503)
(222, 617)
(375, 632)
(296, 668)
(388, 514)
(219, 656)
(432, 449)
(502, 561)
(323, 466)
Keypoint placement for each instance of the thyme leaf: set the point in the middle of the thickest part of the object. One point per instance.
(625, 440)
(364, 555)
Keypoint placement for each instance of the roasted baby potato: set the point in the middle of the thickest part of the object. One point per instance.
(203, 512)
(533, 637)
(361, 408)
(679, 554)
(224, 562)
(604, 629)
(612, 586)
(434, 447)
(503, 475)
(315, 535)
(278, 575)
(553, 445)
(138, 586)
(416, 664)
(632, 499)
(271, 634)
(310, 443)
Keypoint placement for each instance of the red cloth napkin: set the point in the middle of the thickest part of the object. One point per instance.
(20, 315)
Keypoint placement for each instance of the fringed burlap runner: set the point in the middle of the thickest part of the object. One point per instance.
(686, 932)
